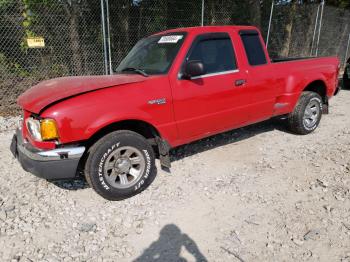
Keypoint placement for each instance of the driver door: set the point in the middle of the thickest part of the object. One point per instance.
(215, 101)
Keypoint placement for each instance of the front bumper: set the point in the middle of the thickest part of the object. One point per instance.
(61, 163)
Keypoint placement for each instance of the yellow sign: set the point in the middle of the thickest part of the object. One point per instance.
(35, 42)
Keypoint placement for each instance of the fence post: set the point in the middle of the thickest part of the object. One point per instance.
(347, 51)
(320, 27)
(270, 22)
(202, 20)
(108, 39)
(314, 35)
(103, 23)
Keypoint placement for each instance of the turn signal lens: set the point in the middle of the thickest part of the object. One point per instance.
(48, 129)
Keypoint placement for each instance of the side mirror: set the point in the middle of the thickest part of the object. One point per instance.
(193, 68)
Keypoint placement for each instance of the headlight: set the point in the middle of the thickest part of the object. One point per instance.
(20, 123)
(42, 130)
(33, 126)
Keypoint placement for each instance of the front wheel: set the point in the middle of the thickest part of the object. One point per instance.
(120, 165)
(307, 114)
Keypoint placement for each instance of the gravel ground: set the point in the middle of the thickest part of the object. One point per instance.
(254, 194)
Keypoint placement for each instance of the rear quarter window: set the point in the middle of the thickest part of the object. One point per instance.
(253, 48)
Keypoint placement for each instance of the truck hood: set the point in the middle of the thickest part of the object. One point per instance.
(47, 92)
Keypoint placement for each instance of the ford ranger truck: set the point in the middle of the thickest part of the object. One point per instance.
(173, 88)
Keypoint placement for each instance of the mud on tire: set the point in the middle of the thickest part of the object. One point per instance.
(120, 165)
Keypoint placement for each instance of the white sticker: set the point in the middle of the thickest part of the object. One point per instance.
(170, 39)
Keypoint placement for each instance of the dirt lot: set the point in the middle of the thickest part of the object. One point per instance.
(254, 194)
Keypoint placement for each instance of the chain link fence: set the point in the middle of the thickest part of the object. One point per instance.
(335, 33)
(293, 31)
(45, 39)
(69, 39)
(309, 29)
(129, 23)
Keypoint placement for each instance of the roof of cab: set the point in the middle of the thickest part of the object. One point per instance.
(208, 29)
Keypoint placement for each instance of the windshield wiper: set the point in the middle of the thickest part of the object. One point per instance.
(136, 70)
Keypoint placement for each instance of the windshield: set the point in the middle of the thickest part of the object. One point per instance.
(152, 55)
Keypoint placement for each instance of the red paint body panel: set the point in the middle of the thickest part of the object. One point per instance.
(80, 117)
(50, 91)
(194, 109)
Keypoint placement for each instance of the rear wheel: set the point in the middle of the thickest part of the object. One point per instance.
(307, 114)
(120, 165)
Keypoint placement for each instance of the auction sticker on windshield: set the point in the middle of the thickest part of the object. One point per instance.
(170, 39)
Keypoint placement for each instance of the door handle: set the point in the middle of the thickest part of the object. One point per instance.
(240, 82)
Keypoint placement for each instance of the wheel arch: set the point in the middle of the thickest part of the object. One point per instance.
(319, 87)
(147, 130)
(141, 127)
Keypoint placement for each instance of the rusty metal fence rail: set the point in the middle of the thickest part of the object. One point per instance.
(46, 39)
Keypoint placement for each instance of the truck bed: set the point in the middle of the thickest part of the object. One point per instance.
(287, 59)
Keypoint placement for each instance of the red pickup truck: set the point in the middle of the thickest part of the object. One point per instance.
(173, 87)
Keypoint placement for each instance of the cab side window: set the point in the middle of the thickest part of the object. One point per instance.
(253, 47)
(216, 54)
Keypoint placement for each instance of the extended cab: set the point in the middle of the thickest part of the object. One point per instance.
(173, 87)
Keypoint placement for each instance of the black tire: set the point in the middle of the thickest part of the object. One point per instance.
(296, 122)
(109, 149)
